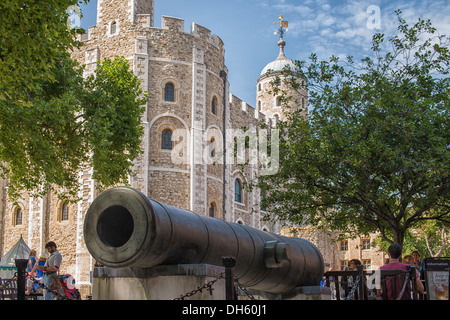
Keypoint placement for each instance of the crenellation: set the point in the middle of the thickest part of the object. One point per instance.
(172, 24)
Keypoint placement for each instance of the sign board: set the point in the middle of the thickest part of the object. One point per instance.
(437, 278)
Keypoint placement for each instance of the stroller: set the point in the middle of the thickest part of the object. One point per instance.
(68, 285)
(66, 288)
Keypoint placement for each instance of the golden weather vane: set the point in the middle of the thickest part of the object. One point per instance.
(282, 25)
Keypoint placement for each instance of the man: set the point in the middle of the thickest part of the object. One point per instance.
(51, 268)
(395, 253)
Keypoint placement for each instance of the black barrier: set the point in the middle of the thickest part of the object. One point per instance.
(21, 265)
(437, 278)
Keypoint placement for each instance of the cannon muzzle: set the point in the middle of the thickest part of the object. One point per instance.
(123, 228)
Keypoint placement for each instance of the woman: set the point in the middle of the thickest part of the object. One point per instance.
(30, 267)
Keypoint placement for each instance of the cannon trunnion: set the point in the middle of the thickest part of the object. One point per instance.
(123, 228)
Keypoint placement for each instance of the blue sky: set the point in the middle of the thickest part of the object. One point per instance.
(325, 27)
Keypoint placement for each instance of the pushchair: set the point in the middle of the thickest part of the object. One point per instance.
(66, 288)
(68, 285)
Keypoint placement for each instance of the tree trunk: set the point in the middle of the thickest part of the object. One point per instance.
(398, 236)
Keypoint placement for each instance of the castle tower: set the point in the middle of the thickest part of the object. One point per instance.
(270, 103)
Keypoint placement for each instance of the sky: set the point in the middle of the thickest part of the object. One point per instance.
(324, 27)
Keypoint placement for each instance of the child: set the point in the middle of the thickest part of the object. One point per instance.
(39, 273)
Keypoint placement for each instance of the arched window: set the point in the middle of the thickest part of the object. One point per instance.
(276, 118)
(212, 210)
(259, 106)
(214, 105)
(65, 211)
(166, 140)
(18, 216)
(169, 92)
(237, 191)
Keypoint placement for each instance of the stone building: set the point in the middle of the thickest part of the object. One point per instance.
(190, 118)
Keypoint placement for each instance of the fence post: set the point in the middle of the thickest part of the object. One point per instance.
(21, 265)
(229, 263)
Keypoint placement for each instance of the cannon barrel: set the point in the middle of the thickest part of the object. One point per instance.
(123, 228)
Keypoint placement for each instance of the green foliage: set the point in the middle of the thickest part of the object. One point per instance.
(53, 121)
(32, 36)
(69, 123)
(373, 154)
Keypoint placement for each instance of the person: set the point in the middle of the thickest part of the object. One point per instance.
(408, 259)
(38, 275)
(50, 270)
(353, 264)
(30, 267)
(417, 261)
(395, 254)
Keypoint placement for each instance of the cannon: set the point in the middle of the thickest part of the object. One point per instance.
(124, 228)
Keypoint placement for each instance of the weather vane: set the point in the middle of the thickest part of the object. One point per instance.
(282, 24)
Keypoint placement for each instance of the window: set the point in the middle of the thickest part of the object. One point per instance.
(18, 216)
(212, 210)
(259, 87)
(65, 211)
(365, 244)
(113, 28)
(343, 265)
(237, 191)
(367, 264)
(166, 140)
(278, 101)
(214, 105)
(259, 106)
(212, 148)
(343, 245)
(169, 92)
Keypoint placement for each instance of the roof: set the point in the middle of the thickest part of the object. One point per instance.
(19, 251)
(280, 63)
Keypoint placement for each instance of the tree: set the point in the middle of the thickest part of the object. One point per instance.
(53, 121)
(32, 36)
(373, 154)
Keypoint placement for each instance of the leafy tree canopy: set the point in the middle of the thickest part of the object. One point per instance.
(54, 121)
(373, 154)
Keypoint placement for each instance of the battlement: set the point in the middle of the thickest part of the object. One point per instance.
(237, 104)
(177, 25)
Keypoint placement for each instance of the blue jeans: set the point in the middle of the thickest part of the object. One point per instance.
(48, 294)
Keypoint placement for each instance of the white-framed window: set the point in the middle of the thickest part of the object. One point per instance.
(113, 28)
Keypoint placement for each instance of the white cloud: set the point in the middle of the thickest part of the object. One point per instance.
(341, 28)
